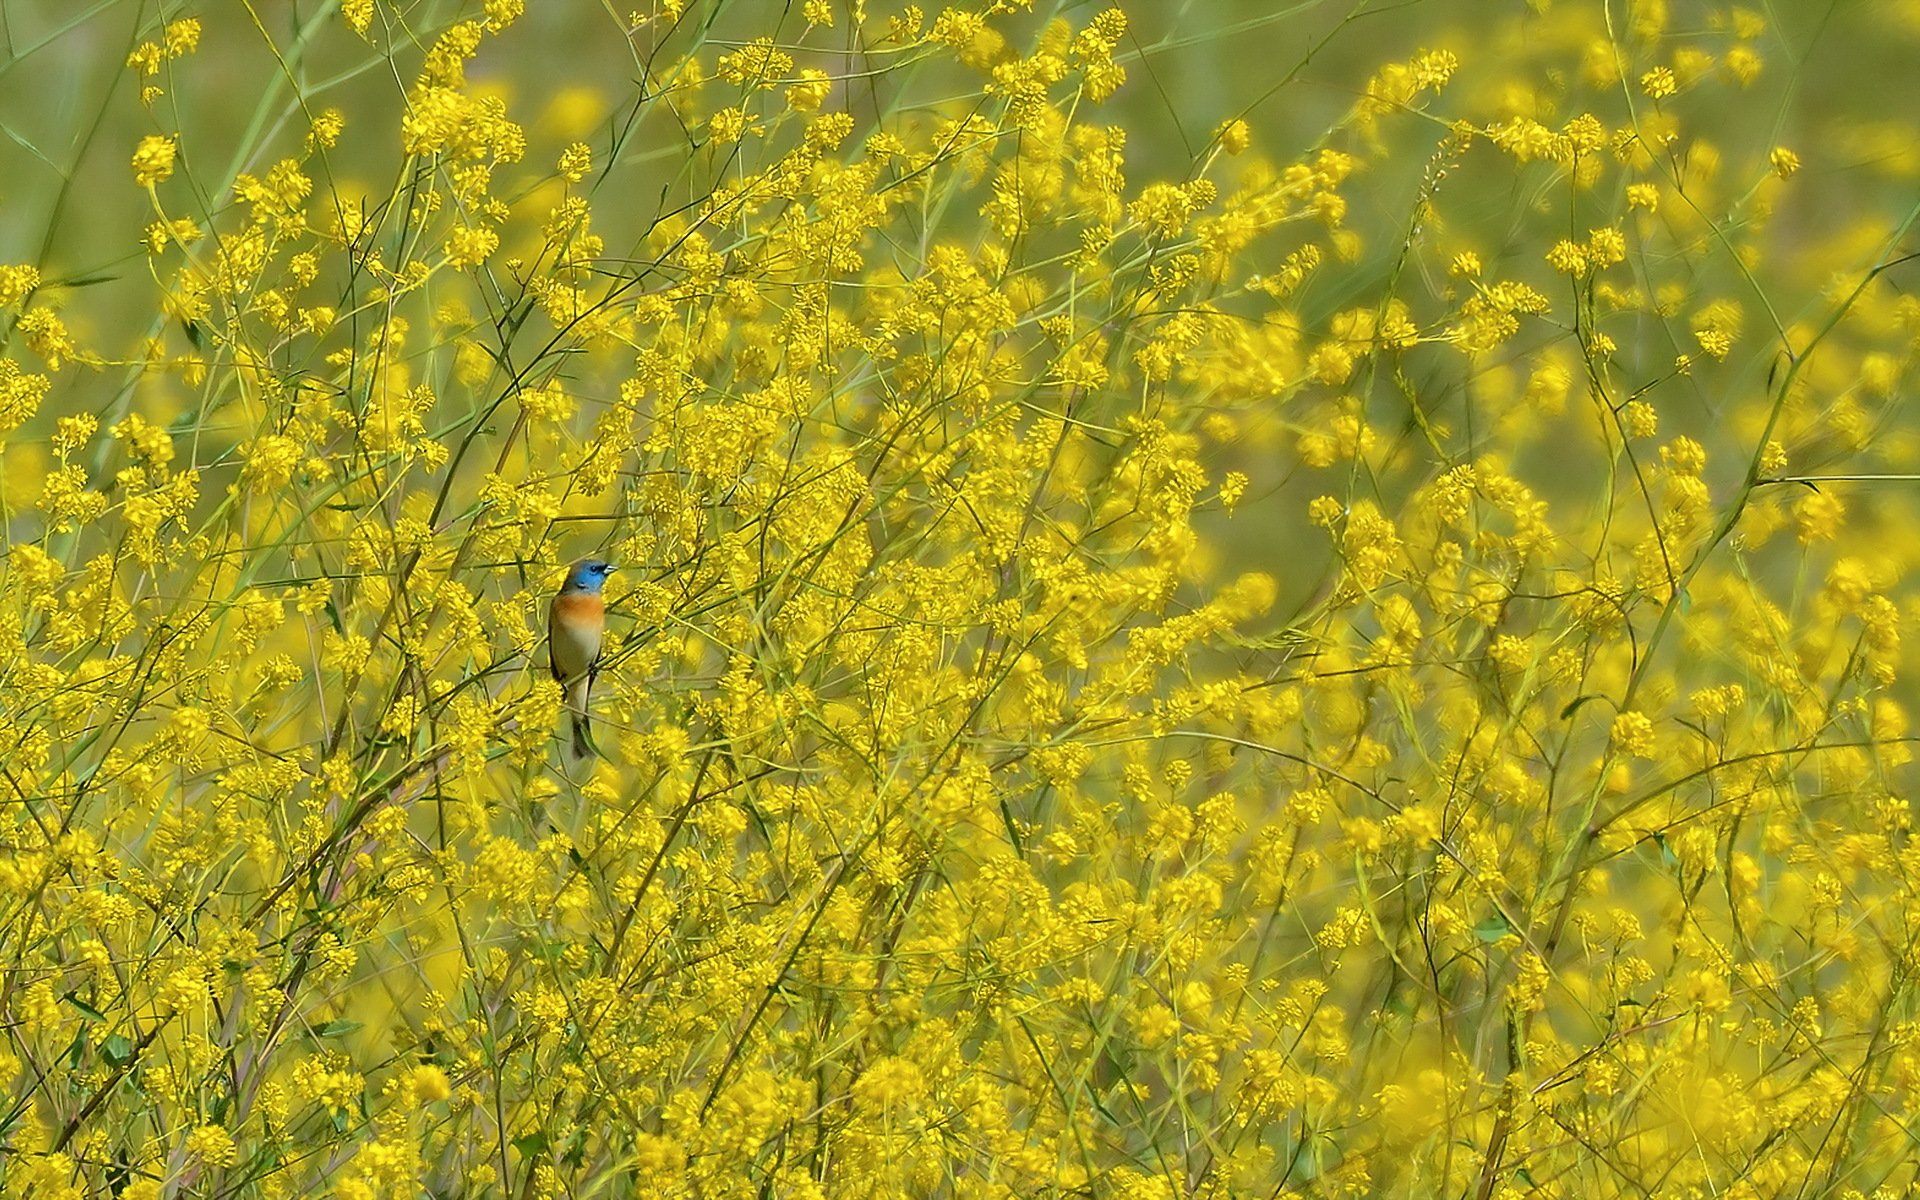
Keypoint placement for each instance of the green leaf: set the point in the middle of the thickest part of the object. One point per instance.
(1493, 928)
(80, 281)
(117, 1050)
(86, 1010)
(1667, 856)
(334, 1029)
(1573, 706)
(531, 1144)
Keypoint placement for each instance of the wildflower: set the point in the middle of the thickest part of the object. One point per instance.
(146, 58)
(1585, 134)
(270, 462)
(44, 331)
(658, 1158)
(430, 1084)
(1232, 488)
(153, 160)
(810, 91)
(1567, 257)
(1606, 247)
(329, 1082)
(182, 37)
(16, 282)
(891, 1083)
(470, 245)
(1632, 734)
(1659, 83)
(1819, 516)
(1640, 419)
(757, 64)
(212, 1145)
(728, 125)
(1716, 342)
(1432, 68)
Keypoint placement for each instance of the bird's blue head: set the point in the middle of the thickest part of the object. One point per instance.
(588, 575)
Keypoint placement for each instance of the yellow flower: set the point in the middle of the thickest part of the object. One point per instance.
(470, 245)
(728, 125)
(502, 13)
(327, 127)
(811, 90)
(1819, 516)
(146, 58)
(1235, 137)
(1632, 734)
(16, 282)
(1232, 488)
(891, 1083)
(44, 331)
(212, 1145)
(1432, 68)
(1567, 257)
(183, 37)
(1784, 162)
(430, 1084)
(1606, 246)
(1716, 342)
(153, 160)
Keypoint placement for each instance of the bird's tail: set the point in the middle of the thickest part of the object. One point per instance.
(577, 694)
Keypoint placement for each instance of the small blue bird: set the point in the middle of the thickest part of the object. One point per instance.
(576, 622)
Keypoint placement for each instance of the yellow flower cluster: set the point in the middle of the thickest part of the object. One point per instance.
(1316, 630)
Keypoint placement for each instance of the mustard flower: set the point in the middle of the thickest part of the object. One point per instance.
(153, 160)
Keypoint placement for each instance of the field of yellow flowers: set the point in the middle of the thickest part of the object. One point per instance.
(1217, 599)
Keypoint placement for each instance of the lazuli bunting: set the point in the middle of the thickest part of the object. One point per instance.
(575, 622)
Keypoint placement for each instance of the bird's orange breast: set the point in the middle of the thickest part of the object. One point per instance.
(574, 624)
(579, 606)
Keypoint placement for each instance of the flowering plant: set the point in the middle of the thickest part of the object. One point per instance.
(1175, 638)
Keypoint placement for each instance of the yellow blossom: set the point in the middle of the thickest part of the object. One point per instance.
(153, 160)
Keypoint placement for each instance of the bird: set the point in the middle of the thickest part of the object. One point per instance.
(575, 622)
